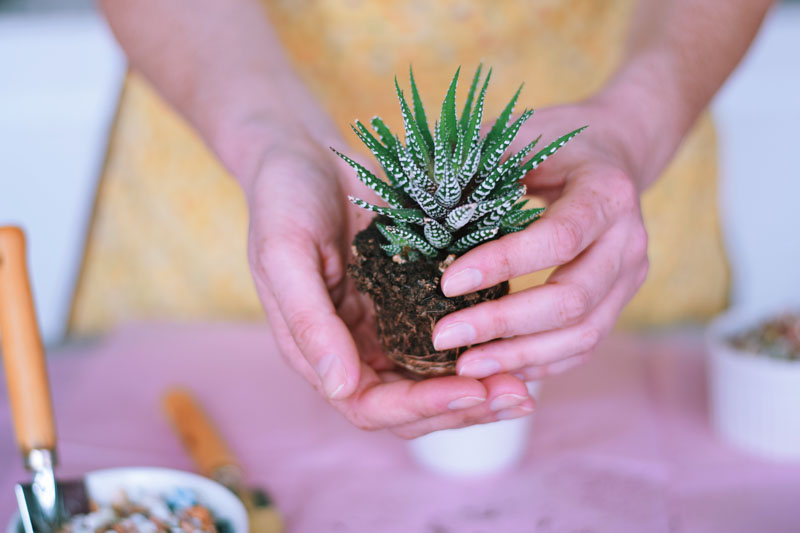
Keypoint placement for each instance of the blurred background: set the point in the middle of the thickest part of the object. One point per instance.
(60, 79)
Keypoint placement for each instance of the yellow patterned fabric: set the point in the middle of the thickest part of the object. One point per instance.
(168, 234)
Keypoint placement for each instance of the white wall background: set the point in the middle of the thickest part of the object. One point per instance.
(758, 116)
(59, 81)
(60, 76)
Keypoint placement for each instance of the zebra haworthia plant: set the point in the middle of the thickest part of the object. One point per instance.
(448, 191)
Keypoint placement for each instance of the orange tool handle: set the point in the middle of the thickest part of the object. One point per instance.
(197, 432)
(23, 354)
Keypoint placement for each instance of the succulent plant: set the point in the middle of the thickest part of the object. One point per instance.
(450, 190)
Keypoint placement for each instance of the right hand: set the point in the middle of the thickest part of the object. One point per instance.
(301, 229)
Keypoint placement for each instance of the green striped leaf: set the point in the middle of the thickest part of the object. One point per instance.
(485, 187)
(506, 202)
(506, 190)
(414, 139)
(436, 234)
(392, 249)
(371, 142)
(387, 159)
(416, 190)
(518, 220)
(415, 177)
(492, 154)
(387, 137)
(517, 158)
(449, 191)
(501, 123)
(456, 157)
(419, 112)
(470, 167)
(428, 203)
(473, 132)
(473, 239)
(413, 240)
(447, 118)
(505, 230)
(460, 216)
(467, 111)
(549, 150)
(509, 169)
(414, 216)
(503, 175)
(381, 188)
(391, 237)
(440, 156)
(518, 216)
(519, 205)
(494, 204)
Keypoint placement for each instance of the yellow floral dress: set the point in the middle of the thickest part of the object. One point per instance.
(167, 239)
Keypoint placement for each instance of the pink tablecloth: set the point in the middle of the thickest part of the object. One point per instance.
(621, 444)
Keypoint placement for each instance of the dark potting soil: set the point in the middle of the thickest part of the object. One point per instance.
(408, 302)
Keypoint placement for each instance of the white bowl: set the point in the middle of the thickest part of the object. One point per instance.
(755, 400)
(475, 450)
(103, 485)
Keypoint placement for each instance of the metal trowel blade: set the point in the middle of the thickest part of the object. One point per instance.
(71, 499)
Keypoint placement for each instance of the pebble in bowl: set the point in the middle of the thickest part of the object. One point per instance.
(152, 500)
(754, 381)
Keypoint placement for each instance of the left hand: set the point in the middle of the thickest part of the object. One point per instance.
(592, 232)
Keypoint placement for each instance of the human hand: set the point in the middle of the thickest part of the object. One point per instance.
(301, 227)
(592, 231)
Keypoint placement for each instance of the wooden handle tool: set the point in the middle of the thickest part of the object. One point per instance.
(23, 354)
(198, 434)
(215, 460)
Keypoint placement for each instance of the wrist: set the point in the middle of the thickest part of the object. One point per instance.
(263, 117)
(242, 143)
(649, 115)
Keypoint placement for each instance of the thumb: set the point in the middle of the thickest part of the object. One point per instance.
(294, 274)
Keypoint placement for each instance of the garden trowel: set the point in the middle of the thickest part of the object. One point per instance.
(44, 503)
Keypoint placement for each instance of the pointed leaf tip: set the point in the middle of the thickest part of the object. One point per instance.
(419, 112)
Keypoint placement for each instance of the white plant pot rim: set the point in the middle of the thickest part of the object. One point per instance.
(736, 321)
(478, 450)
(754, 398)
(221, 501)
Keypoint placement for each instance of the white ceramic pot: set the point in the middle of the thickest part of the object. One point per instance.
(755, 400)
(475, 450)
(103, 485)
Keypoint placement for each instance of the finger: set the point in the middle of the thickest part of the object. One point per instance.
(507, 398)
(386, 400)
(567, 297)
(510, 355)
(404, 401)
(571, 224)
(536, 372)
(294, 276)
(283, 338)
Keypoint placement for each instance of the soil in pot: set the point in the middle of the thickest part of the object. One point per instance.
(408, 302)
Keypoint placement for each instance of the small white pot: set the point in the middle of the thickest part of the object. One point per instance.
(103, 485)
(755, 400)
(475, 450)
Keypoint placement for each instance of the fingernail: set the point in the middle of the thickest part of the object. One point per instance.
(465, 402)
(480, 368)
(331, 372)
(462, 282)
(504, 401)
(513, 412)
(453, 335)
